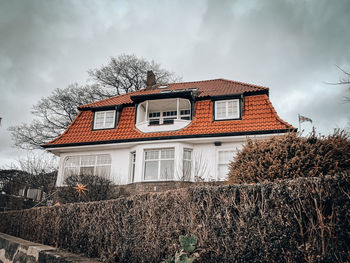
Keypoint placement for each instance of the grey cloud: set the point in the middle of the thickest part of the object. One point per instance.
(290, 46)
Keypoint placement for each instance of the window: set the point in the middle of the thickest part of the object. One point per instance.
(227, 109)
(224, 159)
(159, 164)
(104, 119)
(99, 165)
(167, 117)
(185, 114)
(187, 164)
(132, 168)
(163, 112)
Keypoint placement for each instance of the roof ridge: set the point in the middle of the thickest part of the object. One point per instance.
(195, 81)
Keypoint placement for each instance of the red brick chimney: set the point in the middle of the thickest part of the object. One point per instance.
(151, 79)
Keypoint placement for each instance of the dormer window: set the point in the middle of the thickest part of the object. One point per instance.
(163, 114)
(104, 120)
(227, 109)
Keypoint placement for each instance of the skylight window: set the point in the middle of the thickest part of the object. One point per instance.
(163, 87)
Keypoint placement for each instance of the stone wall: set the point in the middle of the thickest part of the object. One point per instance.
(13, 249)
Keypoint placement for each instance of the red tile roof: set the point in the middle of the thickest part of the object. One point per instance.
(259, 117)
(206, 88)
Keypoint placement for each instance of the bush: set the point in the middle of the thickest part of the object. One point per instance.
(291, 156)
(300, 220)
(94, 188)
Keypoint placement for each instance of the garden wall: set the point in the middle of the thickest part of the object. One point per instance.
(289, 221)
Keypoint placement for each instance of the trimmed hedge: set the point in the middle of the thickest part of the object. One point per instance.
(291, 156)
(304, 219)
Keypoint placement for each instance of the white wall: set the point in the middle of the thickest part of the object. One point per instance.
(204, 152)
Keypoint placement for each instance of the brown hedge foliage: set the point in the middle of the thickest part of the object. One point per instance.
(300, 220)
(98, 188)
(291, 156)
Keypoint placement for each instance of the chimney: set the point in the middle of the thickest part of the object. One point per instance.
(151, 79)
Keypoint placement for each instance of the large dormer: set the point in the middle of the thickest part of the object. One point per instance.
(168, 110)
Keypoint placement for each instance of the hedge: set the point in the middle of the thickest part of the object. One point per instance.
(304, 219)
(291, 156)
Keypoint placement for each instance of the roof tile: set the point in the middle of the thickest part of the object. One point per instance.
(259, 115)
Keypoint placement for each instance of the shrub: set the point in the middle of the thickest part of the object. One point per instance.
(97, 188)
(291, 156)
(299, 220)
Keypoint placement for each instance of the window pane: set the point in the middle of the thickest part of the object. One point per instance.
(187, 154)
(72, 161)
(99, 120)
(88, 160)
(109, 119)
(104, 159)
(232, 108)
(225, 157)
(103, 171)
(167, 154)
(187, 170)
(68, 171)
(220, 109)
(168, 120)
(154, 122)
(151, 170)
(151, 155)
(223, 171)
(87, 170)
(166, 169)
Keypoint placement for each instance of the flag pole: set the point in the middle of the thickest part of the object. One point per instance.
(299, 122)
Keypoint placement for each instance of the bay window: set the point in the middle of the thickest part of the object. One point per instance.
(159, 164)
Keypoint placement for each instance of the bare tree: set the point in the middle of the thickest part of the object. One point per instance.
(54, 113)
(36, 169)
(345, 80)
(127, 73)
(37, 162)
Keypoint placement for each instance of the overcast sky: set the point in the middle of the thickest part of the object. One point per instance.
(290, 46)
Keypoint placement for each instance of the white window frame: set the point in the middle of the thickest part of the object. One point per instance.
(159, 164)
(189, 161)
(227, 115)
(132, 166)
(172, 115)
(79, 165)
(104, 125)
(219, 163)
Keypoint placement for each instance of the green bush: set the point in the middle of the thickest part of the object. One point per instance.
(95, 188)
(186, 254)
(291, 156)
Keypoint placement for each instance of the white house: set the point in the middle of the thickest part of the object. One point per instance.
(180, 131)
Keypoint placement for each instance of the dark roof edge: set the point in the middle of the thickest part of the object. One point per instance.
(170, 138)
